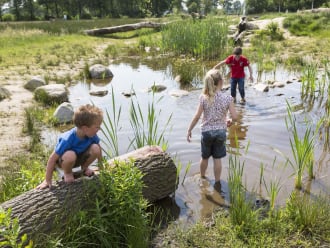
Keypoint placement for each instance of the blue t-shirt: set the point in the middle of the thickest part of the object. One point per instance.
(70, 141)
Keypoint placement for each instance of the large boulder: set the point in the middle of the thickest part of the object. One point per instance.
(51, 93)
(99, 71)
(64, 113)
(34, 83)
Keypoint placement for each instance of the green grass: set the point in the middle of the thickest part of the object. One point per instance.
(307, 24)
(204, 39)
(118, 218)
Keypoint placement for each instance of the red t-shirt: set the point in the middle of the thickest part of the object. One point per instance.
(237, 66)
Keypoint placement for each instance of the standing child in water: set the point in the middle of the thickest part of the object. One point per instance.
(237, 62)
(77, 147)
(214, 105)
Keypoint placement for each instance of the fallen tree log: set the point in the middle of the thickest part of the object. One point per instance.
(122, 28)
(39, 211)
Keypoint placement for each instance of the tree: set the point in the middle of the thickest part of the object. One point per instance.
(29, 7)
(227, 5)
(17, 9)
(237, 7)
(256, 6)
(194, 6)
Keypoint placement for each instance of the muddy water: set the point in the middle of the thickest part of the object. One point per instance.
(263, 138)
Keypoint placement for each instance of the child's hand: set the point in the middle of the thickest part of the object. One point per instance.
(229, 122)
(189, 136)
(44, 185)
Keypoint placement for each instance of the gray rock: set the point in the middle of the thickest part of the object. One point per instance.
(179, 93)
(64, 113)
(99, 71)
(262, 87)
(34, 83)
(51, 93)
(278, 84)
(4, 93)
(157, 88)
(98, 92)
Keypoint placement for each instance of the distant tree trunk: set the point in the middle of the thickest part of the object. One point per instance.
(123, 28)
(40, 211)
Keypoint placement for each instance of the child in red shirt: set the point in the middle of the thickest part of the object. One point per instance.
(237, 62)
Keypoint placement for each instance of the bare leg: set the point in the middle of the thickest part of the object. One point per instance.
(95, 152)
(203, 166)
(68, 161)
(217, 167)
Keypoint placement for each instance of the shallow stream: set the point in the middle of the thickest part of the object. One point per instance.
(263, 138)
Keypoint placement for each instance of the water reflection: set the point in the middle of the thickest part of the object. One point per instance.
(261, 127)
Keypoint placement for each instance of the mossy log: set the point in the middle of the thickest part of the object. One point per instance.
(122, 28)
(39, 211)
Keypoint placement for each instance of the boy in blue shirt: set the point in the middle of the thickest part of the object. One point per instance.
(77, 147)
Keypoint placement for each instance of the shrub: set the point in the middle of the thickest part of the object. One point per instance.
(8, 18)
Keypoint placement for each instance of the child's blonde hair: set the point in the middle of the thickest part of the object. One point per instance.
(211, 81)
(87, 115)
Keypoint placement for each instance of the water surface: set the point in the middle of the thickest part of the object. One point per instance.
(263, 137)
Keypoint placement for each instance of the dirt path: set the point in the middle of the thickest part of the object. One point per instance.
(12, 117)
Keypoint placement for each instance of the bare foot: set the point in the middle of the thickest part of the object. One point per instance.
(68, 178)
(88, 172)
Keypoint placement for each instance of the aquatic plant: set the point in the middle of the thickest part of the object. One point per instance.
(302, 149)
(241, 212)
(146, 131)
(186, 172)
(205, 39)
(309, 80)
(273, 189)
(111, 128)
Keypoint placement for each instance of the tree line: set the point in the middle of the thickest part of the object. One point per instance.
(30, 10)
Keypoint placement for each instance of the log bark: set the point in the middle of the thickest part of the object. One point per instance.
(122, 28)
(39, 211)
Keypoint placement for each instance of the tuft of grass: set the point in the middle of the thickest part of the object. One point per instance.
(302, 149)
(241, 212)
(146, 131)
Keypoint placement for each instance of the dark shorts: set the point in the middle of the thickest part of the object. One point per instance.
(81, 159)
(213, 143)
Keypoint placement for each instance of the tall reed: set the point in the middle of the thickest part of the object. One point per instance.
(273, 190)
(302, 149)
(111, 128)
(205, 39)
(309, 80)
(241, 212)
(146, 131)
